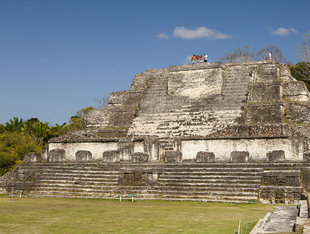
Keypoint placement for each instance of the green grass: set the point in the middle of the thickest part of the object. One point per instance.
(51, 215)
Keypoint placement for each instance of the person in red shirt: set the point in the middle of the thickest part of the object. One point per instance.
(197, 58)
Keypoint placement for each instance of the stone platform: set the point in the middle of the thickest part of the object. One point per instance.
(220, 182)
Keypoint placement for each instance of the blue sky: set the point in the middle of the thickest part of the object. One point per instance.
(58, 56)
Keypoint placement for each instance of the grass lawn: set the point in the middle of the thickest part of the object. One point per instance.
(52, 215)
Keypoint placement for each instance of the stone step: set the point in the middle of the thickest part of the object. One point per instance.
(78, 180)
(206, 180)
(216, 167)
(207, 177)
(148, 192)
(228, 166)
(212, 184)
(77, 176)
(104, 187)
(85, 173)
(228, 199)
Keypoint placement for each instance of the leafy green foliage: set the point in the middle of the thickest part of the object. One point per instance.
(19, 137)
(78, 121)
(301, 71)
(13, 147)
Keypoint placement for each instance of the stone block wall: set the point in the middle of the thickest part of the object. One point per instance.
(32, 157)
(281, 186)
(265, 113)
(196, 83)
(262, 92)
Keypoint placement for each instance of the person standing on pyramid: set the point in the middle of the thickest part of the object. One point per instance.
(193, 59)
(197, 58)
(205, 58)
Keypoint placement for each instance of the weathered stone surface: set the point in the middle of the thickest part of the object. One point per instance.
(285, 74)
(275, 156)
(137, 178)
(44, 154)
(280, 194)
(295, 91)
(281, 177)
(56, 155)
(118, 98)
(306, 156)
(265, 113)
(32, 157)
(306, 179)
(281, 220)
(262, 92)
(83, 156)
(203, 157)
(111, 156)
(267, 73)
(172, 157)
(240, 156)
(139, 157)
(195, 83)
(253, 131)
(297, 112)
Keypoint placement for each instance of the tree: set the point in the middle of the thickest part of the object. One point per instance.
(238, 56)
(15, 125)
(302, 69)
(276, 54)
(18, 137)
(78, 121)
(13, 147)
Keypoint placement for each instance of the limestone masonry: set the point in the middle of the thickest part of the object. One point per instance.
(254, 107)
(197, 128)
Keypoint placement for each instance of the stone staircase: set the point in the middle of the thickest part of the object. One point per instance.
(216, 182)
(163, 115)
(74, 180)
(236, 82)
(221, 182)
(209, 183)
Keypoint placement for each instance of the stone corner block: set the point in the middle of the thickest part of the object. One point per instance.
(172, 156)
(83, 156)
(275, 156)
(239, 156)
(306, 156)
(203, 157)
(32, 157)
(111, 156)
(56, 155)
(139, 157)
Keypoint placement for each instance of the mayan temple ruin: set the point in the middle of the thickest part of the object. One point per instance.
(202, 132)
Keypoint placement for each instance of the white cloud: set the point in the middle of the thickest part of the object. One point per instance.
(162, 36)
(283, 31)
(201, 32)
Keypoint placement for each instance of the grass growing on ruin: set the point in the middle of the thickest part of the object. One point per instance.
(48, 215)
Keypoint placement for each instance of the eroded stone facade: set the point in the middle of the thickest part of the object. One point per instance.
(254, 107)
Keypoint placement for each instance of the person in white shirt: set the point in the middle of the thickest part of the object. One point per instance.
(205, 58)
